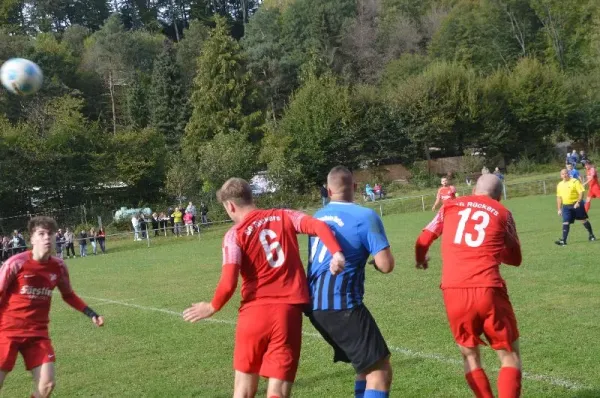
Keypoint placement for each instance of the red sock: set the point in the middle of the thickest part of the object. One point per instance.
(479, 383)
(587, 205)
(509, 383)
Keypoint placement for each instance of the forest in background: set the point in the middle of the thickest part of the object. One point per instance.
(145, 101)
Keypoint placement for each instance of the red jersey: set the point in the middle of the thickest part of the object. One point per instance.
(26, 289)
(592, 176)
(446, 193)
(479, 233)
(265, 247)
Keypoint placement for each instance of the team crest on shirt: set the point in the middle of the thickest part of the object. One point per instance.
(52, 277)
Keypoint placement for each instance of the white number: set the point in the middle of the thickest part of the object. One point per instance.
(479, 227)
(314, 248)
(274, 246)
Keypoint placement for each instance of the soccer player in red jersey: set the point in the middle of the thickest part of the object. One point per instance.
(592, 180)
(262, 246)
(479, 233)
(446, 192)
(26, 284)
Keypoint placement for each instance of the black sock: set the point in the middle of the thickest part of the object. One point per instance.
(566, 228)
(588, 226)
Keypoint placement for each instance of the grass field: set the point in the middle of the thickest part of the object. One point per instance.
(147, 350)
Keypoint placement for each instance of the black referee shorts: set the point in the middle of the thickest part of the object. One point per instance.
(353, 334)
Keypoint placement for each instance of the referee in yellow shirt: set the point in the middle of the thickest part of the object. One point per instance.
(569, 200)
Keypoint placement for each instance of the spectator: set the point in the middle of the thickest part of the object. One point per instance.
(583, 158)
(70, 242)
(192, 210)
(378, 189)
(204, 212)
(324, 195)
(143, 225)
(369, 192)
(93, 236)
(5, 248)
(499, 174)
(573, 158)
(135, 223)
(155, 223)
(189, 223)
(177, 219)
(101, 238)
(83, 243)
(485, 170)
(172, 219)
(163, 222)
(60, 241)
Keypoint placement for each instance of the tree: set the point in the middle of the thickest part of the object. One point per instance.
(189, 49)
(167, 100)
(138, 112)
(181, 177)
(222, 100)
(316, 132)
(140, 158)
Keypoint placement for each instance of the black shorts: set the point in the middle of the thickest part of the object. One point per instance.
(570, 213)
(353, 334)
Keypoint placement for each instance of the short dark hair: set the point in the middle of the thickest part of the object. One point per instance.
(236, 190)
(42, 222)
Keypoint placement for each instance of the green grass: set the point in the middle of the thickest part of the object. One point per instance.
(143, 351)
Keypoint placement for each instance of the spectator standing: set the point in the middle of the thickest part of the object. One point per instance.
(189, 223)
(60, 241)
(135, 223)
(155, 223)
(573, 158)
(192, 210)
(583, 158)
(101, 238)
(143, 225)
(70, 242)
(93, 236)
(324, 195)
(204, 212)
(83, 237)
(177, 219)
(163, 222)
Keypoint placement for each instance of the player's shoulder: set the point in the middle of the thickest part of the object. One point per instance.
(17, 261)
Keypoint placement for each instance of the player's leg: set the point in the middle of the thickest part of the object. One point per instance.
(38, 356)
(466, 327)
(280, 361)
(8, 356)
(568, 216)
(500, 328)
(245, 385)
(43, 380)
(250, 346)
(377, 380)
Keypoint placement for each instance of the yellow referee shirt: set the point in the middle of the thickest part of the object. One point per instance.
(569, 191)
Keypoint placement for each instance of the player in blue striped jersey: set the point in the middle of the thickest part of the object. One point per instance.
(338, 312)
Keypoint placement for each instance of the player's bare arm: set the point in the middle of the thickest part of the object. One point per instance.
(559, 205)
(384, 261)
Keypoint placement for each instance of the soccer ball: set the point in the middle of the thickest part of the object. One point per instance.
(21, 76)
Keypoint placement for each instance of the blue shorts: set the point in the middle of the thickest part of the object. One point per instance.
(570, 213)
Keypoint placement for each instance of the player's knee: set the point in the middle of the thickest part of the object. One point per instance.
(380, 375)
(46, 387)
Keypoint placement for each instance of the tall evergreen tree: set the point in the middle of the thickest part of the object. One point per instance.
(137, 104)
(222, 97)
(167, 97)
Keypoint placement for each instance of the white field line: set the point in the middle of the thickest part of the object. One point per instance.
(555, 381)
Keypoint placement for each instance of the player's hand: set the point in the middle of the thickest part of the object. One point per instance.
(98, 321)
(576, 205)
(433, 208)
(424, 264)
(198, 312)
(337, 264)
(560, 212)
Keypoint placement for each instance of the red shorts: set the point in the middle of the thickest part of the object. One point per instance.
(481, 310)
(594, 191)
(35, 350)
(268, 340)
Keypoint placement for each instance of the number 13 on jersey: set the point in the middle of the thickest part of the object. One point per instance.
(481, 219)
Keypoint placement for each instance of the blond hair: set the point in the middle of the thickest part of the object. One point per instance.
(235, 190)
